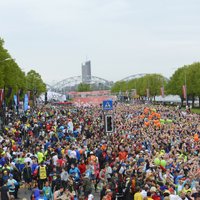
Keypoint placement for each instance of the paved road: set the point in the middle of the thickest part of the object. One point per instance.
(26, 194)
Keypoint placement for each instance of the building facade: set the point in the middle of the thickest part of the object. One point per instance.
(86, 72)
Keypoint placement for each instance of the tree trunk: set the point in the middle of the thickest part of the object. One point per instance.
(193, 98)
(182, 99)
(199, 101)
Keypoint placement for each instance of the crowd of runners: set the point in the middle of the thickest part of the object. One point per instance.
(63, 153)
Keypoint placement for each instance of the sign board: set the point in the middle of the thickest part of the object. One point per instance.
(107, 105)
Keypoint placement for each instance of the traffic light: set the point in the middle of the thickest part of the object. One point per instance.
(109, 123)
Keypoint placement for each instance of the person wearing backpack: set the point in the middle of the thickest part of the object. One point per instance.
(42, 175)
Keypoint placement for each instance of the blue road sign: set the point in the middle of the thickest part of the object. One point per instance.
(107, 105)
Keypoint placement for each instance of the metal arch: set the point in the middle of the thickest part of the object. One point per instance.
(49, 87)
(76, 80)
(133, 77)
(66, 82)
(138, 76)
(100, 79)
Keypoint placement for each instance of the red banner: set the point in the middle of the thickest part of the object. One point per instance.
(184, 92)
(162, 92)
(1, 96)
(92, 100)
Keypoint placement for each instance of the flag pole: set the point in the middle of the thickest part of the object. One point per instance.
(186, 88)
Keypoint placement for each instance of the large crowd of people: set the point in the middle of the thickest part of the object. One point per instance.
(64, 153)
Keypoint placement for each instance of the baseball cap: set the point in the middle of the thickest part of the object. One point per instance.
(153, 189)
(108, 190)
(90, 197)
(167, 192)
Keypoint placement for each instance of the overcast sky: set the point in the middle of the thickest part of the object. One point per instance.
(120, 37)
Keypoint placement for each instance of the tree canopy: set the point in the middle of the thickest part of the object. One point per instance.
(188, 75)
(83, 87)
(153, 82)
(13, 79)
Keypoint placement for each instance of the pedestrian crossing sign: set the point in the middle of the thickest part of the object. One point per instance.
(107, 105)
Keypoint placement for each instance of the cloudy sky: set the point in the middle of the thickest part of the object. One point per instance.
(120, 37)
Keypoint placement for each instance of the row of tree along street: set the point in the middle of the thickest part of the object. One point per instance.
(14, 81)
(185, 82)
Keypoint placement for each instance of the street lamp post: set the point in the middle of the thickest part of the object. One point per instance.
(186, 98)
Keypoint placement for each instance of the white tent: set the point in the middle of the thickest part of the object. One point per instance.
(53, 96)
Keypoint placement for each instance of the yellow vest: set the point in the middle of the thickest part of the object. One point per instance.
(42, 172)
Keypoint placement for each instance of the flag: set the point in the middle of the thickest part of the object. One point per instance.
(184, 92)
(15, 100)
(148, 93)
(1, 96)
(25, 102)
(162, 92)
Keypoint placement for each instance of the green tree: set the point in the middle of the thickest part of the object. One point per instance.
(12, 77)
(119, 86)
(192, 78)
(34, 83)
(83, 87)
(153, 82)
(177, 81)
(4, 56)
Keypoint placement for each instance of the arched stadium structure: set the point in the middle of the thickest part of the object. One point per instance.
(71, 83)
(128, 78)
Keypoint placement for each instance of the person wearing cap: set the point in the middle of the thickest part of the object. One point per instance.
(154, 194)
(12, 183)
(92, 158)
(108, 195)
(90, 197)
(27, 177)
(28, 159)
(166, 193)
(5, 175)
